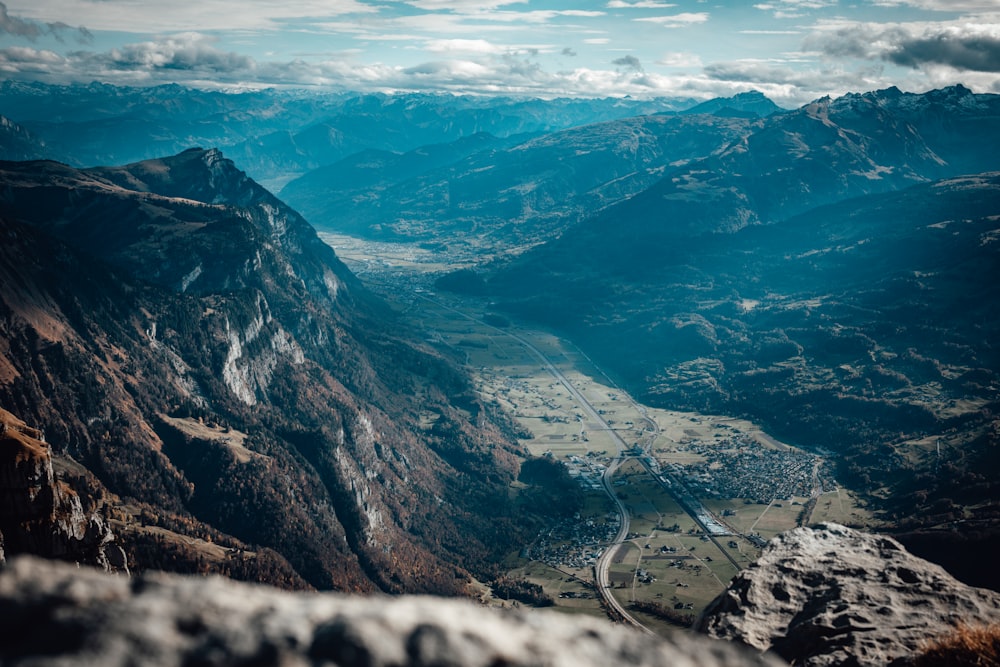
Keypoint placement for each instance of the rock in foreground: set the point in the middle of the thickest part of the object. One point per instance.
(58, 614)
(835, 596)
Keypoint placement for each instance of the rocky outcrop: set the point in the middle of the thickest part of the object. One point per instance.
(40, 514)
(831, 595)
(54, 614)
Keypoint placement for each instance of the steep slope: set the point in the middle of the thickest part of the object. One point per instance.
(16, 143)
(41, 514)
(191, 341)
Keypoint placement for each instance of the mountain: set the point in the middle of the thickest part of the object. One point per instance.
(692, 172)
(242, 403)
(751, 104)
(277, 134)
(498, 197)
(815, 277)
(16, 143)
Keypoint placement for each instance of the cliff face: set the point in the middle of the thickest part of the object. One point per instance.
(191, 341)
(40, 514)
(53, 614)
(835, 596)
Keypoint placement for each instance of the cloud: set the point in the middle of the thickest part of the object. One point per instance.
(770, 32)
(792, 9)
(32, 30)
(204, 15)
(680, 60)
(976, 52)
(628, 63)
(189, 51)
(964, 47)
(462, 46)
(462, 6)
(568, 52)
(638, 4)
(677, 20)
(941, 5)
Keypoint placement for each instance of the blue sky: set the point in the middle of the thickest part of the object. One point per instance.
(792, 50)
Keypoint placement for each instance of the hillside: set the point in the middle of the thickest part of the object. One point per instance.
(812, 278)
(188, 339)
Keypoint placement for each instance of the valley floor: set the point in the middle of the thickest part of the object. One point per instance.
(700, 493)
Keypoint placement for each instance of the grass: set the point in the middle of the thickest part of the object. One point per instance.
(965, 646)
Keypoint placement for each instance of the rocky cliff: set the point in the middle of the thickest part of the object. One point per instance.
(54, 614)
(43, 515)
(835, 596)
(191, 341)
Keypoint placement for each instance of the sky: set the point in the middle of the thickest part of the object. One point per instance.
(794, 51)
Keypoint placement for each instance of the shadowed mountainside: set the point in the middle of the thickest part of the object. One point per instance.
(188, 338)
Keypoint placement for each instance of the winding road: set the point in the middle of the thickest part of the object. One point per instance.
(602, 568)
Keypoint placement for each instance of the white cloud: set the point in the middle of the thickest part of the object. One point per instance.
(790, 9)
(941, 5)
(679, 59)
(462, 46)
(638, 4)
(204, 15)
(462, 6)
(677, 20)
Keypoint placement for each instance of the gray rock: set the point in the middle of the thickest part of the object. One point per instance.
(57, 614)
(831, 595)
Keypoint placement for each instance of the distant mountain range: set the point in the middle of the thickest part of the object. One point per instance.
(275, 135)
(501, 197)
(239, 403)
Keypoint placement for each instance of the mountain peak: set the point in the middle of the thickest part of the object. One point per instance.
(200, 174)
(752, 103)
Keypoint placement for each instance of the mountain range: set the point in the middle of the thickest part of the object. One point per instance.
(831, 274)
(275, 135)
(228, 394)
(828, 271)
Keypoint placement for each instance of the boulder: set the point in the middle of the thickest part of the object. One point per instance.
(57, 614)
(831, 595)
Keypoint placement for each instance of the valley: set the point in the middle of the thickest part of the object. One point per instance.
(699, 493)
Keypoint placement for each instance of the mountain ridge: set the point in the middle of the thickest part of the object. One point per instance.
(275, 343)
